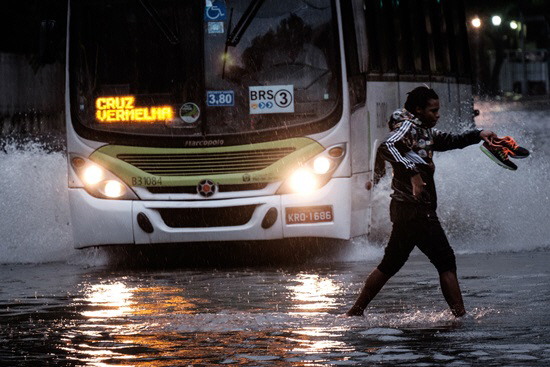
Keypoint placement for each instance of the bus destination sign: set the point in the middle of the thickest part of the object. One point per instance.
(123, 109)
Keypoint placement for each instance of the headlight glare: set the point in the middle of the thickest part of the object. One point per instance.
(314, 173)
(92, 175)
(113, 189)
(98, 181)
(321, 165)
(302, 181)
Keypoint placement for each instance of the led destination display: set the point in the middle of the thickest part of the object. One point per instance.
(123, 109)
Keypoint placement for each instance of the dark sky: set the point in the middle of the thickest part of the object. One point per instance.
(20, 22)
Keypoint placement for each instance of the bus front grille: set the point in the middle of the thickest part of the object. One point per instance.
(199, 164)
(207, 217)
(193, 189)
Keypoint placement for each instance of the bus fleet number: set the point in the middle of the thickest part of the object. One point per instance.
(146, 181)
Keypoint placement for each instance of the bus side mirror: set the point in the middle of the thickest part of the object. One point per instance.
(47, 42)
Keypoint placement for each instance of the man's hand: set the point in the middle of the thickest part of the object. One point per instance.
(488, 136)
(417, 185)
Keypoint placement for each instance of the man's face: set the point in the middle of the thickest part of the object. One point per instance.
(430, 114)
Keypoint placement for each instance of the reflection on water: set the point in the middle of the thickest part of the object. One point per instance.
(161, 321)
(112, 300)
(160, 300)
(314, 294)
(118, 320)
(67, 316)
(320, 340)
(124, 322)
(313, 297)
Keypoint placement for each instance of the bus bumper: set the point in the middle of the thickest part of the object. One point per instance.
(101, 222)
(97, 222)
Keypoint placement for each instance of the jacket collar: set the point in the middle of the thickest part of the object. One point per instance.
(402, 115)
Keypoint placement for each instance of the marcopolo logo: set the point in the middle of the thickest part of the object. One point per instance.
(271, 99)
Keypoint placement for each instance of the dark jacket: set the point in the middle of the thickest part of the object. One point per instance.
(409, 148)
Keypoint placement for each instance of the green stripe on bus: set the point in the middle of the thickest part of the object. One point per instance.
(304, 149)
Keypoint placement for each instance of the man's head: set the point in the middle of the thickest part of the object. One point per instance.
(423, 102)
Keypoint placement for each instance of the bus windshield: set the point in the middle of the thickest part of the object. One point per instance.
(174, 68)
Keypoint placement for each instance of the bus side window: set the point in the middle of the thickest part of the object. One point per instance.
(409, 38)
(420, 44)
(353, 24)
(458, 40)
(404, 38)
(440, 39)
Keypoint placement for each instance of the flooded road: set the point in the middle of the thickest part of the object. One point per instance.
(62, 307)
(70, 315)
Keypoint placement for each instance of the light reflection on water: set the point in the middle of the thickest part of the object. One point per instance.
(155, 325)
(314, 294)
(201, 318)
(112, 300)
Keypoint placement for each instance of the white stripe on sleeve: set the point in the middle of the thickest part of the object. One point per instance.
(390, 143)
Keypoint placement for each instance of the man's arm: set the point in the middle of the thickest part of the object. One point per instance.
(394, 150)
(446, 141)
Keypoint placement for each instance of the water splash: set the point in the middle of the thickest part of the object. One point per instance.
(378, 324)
(486, 208)
(35, 219)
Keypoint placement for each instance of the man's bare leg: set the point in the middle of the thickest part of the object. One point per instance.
(451, 292)
(375, 281)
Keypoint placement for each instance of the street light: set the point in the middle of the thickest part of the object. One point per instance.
(496, 20)
(514, 25)
(476, 22)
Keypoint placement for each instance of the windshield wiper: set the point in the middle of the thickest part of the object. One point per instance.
(235, 35)
(162, 26)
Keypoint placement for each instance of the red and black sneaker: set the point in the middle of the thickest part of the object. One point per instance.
(499, 155)
(513, 149)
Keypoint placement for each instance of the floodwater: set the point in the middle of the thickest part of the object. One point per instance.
(62, 307)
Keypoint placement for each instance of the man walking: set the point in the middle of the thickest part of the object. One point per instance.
(409, 148)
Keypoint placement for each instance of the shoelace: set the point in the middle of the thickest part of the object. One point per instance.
(505, 145)
(506, 142)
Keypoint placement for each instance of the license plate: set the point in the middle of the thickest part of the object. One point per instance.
(309, 214)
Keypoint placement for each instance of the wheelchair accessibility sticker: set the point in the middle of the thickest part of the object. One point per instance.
(271, 99)
(215, 10)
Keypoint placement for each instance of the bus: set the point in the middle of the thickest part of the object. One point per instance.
(236, 120)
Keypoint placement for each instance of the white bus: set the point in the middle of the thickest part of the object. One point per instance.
(233, 120)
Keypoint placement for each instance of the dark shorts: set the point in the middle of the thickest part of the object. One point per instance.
(416, 225)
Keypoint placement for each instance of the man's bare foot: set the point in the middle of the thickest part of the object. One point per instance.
(355, 311)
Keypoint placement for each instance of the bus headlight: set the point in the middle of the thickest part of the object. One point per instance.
(113, 189)
(315, 173)
(99, 182)
(92, 175)
(302, 181)
(321, 165)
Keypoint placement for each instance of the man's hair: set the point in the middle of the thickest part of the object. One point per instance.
(418, 97)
